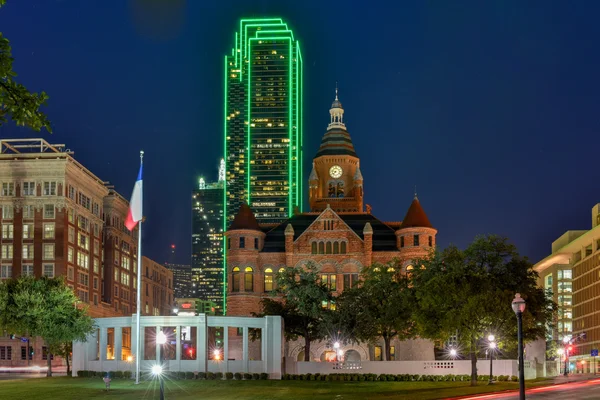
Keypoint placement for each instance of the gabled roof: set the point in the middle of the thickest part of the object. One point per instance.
(415, 216)
(384, 237)
(244, 219)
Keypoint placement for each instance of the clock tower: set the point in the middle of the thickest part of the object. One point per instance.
(335, 179)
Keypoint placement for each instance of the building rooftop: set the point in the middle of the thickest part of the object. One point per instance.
(415, 216)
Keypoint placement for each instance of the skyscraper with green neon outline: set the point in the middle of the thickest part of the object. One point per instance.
(263, 123)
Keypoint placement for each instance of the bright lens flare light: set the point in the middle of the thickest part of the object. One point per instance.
(129, 358)
(491, 338)
(453, 352)
(161, 338)
(560, 352)
(336, 345)
(492, 345)
(217, 354)
(156, 370)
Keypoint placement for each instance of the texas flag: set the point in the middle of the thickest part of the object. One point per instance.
(135, 204)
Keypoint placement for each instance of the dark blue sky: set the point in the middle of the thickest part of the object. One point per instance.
(491, 108)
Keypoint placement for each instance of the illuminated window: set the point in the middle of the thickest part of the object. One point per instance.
(268, 280)
(329, 280)
(378, 353)
(248, 279)
(392, 353)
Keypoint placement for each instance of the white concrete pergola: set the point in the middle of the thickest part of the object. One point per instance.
(93, 354)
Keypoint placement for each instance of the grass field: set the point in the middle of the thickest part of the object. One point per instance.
(65, 388)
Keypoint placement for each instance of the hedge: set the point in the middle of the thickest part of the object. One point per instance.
(392, 378)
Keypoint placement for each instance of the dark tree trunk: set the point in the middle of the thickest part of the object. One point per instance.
(386, 345)
(49, 358)
(306, 348)
(473, 367)
(68, 365)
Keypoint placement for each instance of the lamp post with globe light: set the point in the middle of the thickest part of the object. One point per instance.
(491, 349)
(157, 370)
(518, 306)
(453, 353)
(566, 351)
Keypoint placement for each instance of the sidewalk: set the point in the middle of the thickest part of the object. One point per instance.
(574, 378)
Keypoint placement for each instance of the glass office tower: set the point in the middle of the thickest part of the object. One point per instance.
(263, 121)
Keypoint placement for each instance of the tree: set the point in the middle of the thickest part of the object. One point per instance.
(16, 102)
(469, 293)
(46, 308)
(300, 300)
(380, 307)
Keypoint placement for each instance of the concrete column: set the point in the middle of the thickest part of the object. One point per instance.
(133, 331)
(103, 342)
(202, 344)
(118, 343)
(178, 344)
(158, 349)
(226, 347)
(245, 349)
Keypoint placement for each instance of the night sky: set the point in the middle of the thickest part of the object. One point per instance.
(491, 108)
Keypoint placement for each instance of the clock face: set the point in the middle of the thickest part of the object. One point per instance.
(335, 171)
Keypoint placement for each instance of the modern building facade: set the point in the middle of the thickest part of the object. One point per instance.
(339, 236)
(263, 121)
(572, 273)
(208, 273)
(59, 219)
(182, 280)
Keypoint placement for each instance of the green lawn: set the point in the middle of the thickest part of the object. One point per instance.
(64, 388)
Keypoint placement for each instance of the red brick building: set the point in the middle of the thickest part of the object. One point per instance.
(339, 236)
(59, 219)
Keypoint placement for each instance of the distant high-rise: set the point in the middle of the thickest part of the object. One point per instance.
(207, 241)
(263, 121)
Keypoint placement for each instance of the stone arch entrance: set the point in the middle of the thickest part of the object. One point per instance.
(352, 355)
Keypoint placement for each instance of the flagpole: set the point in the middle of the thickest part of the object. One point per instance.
(138, 345)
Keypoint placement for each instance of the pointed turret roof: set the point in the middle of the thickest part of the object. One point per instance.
(313, 174)
(415, 216)
(244, 219)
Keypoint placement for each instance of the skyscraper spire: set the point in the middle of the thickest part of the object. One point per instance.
(222, 170)
(415, 191)
(336, 90)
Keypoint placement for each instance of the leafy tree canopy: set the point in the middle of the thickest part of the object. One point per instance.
(469, 293)
(43, 307)
(16, 102)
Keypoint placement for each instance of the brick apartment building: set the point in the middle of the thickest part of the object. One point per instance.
(339, 236)
(59, 219)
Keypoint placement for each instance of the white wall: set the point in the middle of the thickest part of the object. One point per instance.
(460, 367)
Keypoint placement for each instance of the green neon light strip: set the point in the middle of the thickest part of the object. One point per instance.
(243, 44)
(235, 52)
(278, 31)
(299, 126)
(290, 129)
(247, 169)
(225, 190)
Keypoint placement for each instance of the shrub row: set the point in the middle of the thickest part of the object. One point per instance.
(392, 378)
(174, 375)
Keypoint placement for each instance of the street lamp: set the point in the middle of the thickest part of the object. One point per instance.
(566, 341)
(453, 353)
(157, 370)
(518, 306)
(175, 310)
(492, 347)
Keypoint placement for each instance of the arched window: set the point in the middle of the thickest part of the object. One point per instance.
(340, 189)
(331, 192)
(235, 279)
(313, 248)
(336, 248)
(321, 248)
(248, 279)
(328, 248)
(409, 269)
(343, 248)
(269, 280)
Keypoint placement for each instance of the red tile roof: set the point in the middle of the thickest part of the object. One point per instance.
(244, 219)
(415, 216)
